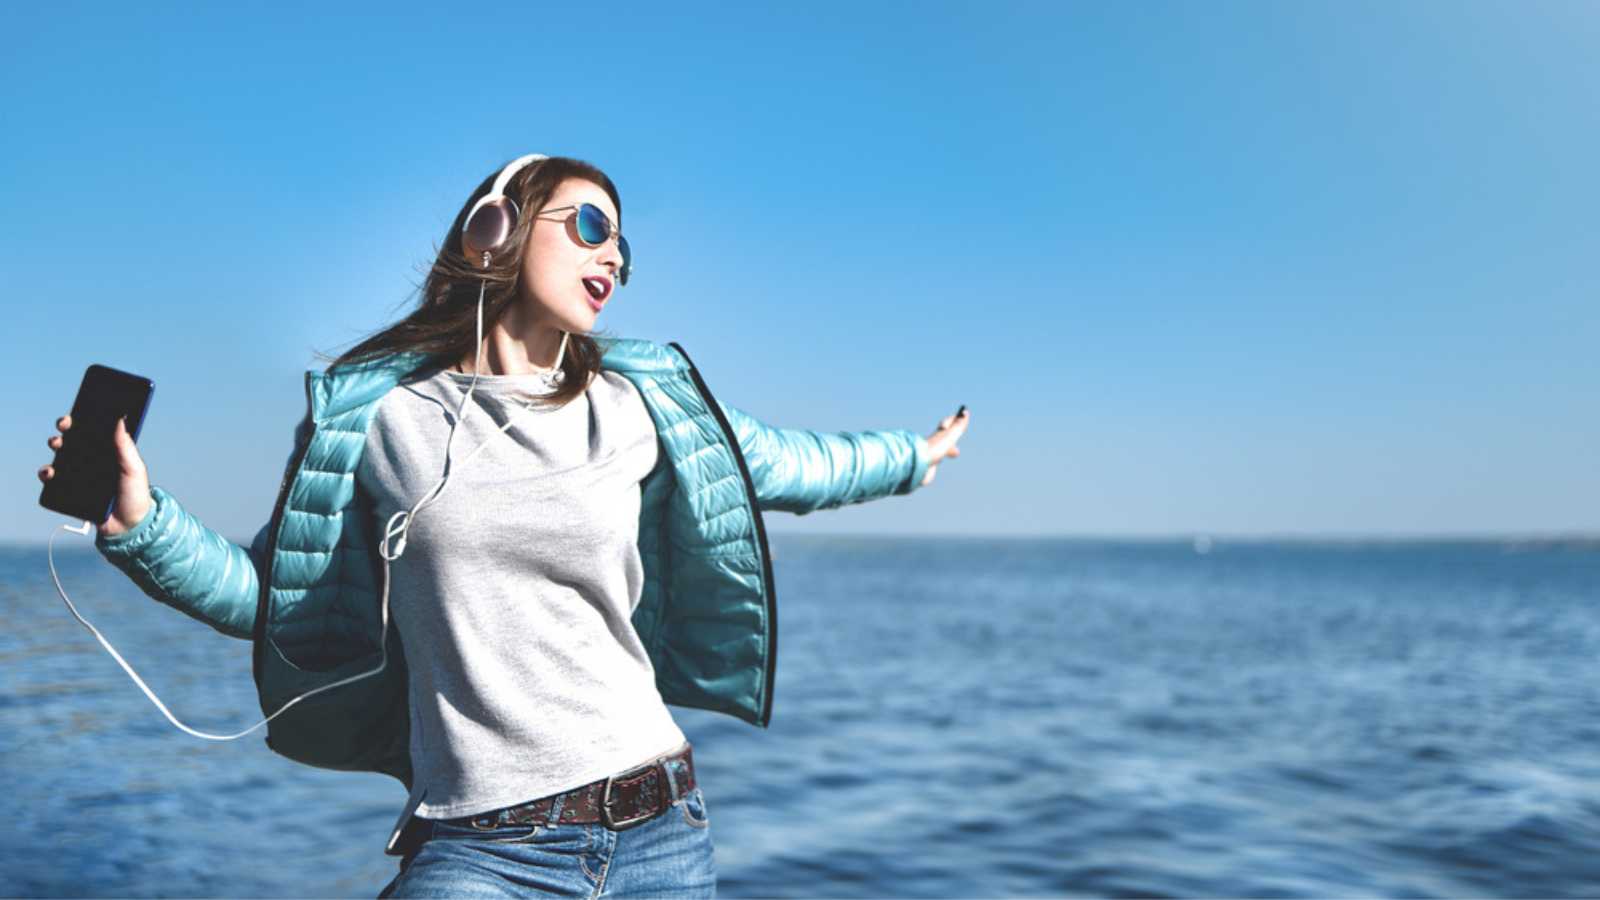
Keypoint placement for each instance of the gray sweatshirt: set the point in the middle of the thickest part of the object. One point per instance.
(515, 592)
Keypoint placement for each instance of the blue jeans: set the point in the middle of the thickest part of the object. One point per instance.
(667, 856)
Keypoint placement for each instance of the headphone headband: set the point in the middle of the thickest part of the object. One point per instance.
(511, 169)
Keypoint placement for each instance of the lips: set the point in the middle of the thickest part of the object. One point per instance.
(599, 287)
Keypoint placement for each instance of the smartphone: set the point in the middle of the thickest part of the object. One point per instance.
(84, 485)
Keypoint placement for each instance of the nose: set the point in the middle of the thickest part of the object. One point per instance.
(611, 255)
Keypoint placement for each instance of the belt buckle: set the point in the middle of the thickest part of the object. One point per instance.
(605, 799)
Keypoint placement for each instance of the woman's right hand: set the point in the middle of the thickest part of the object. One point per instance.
(133, 481)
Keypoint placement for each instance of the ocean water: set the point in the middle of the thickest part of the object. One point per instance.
(953, 718)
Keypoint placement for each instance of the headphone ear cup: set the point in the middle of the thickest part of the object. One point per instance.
(488, 226)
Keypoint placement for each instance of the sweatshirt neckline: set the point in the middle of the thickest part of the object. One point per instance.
(533, 382)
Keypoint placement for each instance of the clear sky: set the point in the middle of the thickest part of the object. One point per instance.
(1235, 268)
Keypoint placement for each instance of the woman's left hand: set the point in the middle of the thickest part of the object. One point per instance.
(942, 442)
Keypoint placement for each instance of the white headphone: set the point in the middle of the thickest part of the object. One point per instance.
(488, 225)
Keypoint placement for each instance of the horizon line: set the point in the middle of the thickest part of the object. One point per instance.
(1211, 538)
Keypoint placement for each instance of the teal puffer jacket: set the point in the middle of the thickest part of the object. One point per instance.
(308, 590)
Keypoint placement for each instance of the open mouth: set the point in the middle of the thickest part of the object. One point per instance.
(598, 288)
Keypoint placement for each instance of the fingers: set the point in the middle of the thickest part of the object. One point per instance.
(126, 454)
(48, 472)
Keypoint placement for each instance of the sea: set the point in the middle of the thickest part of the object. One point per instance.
(953, 717)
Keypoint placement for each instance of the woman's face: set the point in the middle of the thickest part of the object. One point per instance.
(555, 262)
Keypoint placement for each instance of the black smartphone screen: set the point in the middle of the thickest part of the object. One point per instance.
(84, 485)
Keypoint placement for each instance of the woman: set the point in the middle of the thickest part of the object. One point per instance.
(601, 554)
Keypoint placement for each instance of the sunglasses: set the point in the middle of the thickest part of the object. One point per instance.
(594, 229)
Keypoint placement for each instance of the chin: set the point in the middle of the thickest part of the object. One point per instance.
(572, 323)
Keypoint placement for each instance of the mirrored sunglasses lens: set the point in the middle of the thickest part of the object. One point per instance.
(593, 226)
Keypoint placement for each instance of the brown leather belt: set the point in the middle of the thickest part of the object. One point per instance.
(619, 801)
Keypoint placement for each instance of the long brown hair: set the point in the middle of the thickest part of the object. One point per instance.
(445, 322)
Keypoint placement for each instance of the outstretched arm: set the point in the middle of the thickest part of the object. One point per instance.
(799, 470)
(176, 559)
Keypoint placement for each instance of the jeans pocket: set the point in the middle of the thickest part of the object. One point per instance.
(498, 834)
(693, 805)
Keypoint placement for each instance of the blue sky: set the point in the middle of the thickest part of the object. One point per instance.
(1233, 268)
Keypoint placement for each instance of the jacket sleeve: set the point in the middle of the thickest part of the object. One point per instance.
(177, 560)
(174, 558)
(800, 471)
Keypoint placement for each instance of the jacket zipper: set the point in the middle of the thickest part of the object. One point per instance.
(761, 535)
(259, 633)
